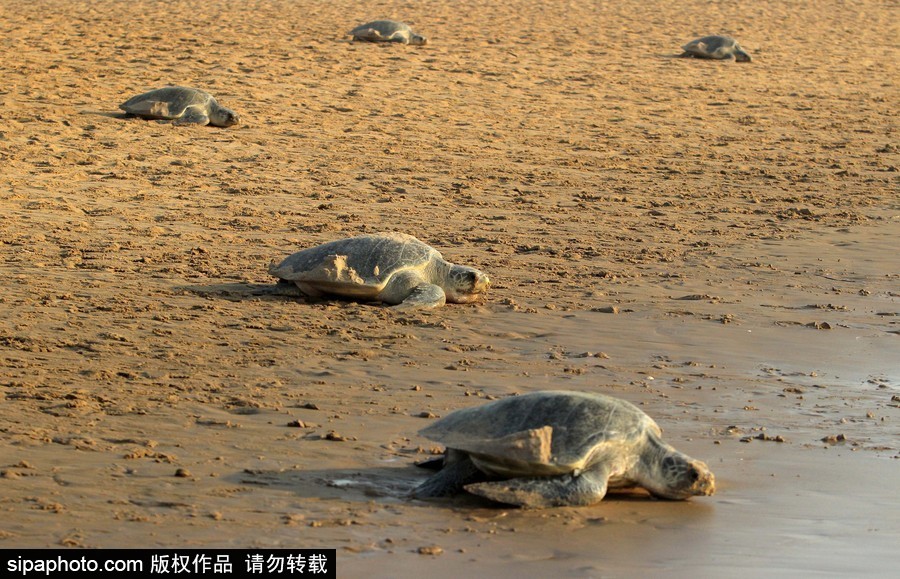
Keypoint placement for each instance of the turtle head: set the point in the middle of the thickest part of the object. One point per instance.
(676, 476)
(222, 117)
(417, 40)
(741, 56)
(465, 284)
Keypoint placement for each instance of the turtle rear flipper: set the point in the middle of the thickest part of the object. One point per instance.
(450, 480)
(546, 491)
(432, 463)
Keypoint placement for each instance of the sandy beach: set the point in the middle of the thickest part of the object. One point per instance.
(713, 241)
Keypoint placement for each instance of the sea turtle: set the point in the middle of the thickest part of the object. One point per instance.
(393, 268)
(387, 31)
(557, 448)
(717, 47)
(184, 105)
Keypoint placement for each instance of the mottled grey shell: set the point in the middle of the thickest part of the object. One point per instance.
(357, 265)
(387, 31)
(384, 27)
(166, 103)
(507, 435)
(722, 47)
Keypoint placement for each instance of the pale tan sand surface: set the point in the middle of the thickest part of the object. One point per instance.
(716, 242)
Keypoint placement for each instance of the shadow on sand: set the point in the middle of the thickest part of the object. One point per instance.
(110, 114)
(242, 291)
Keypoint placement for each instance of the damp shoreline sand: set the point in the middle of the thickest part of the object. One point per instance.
(713, 241)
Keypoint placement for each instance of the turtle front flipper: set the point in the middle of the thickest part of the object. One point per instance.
(450, 480)
(546, 491)
(401, 36)
(408, 290)
(193, 116)
(724, 53)
(425, 296)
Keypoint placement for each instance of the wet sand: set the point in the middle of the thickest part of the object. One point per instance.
(715, 242)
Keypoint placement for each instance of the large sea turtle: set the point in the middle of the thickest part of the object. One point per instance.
(387, 31)
(557, 448)
(394, 268)
(716, 47)
(181, 104)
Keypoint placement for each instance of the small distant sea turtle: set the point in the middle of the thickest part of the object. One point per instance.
(551, 448)
(393, 268)
(717, 47)
(183, 105)
(387, 31)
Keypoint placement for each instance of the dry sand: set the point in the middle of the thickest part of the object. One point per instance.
(716, 242)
